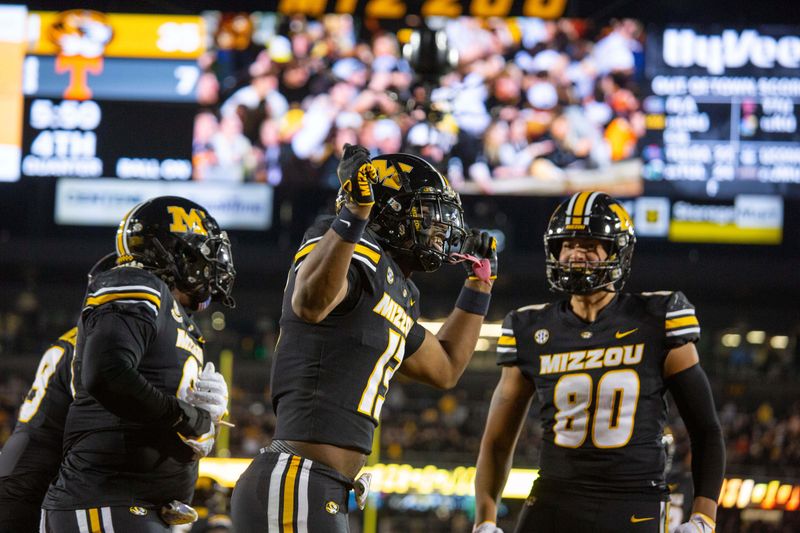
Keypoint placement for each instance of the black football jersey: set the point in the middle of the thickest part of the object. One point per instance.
(600, 384)
(30, 458)
(112, 461)
(329, 380)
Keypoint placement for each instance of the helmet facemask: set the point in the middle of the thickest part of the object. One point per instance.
(585, 277)
(205, 271)
(424, 227)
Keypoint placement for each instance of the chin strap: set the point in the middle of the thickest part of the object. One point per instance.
(204, 304)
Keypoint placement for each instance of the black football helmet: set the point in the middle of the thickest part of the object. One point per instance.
(107, 262)
(593, 215)
(417, 215)
(182, 244)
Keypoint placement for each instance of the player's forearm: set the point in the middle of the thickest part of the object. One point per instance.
(692, 394)
(706, 506)
(493, 467)
(123, 391)
(458, 336)
(459, 333)
(708, 463)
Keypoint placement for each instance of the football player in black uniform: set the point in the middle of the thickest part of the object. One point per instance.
(600, 362)
(349, 323)
(32, 455)
(143, 411)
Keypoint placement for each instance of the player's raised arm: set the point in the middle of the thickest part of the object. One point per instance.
(321, 283)
(510, 404)
(442, 358)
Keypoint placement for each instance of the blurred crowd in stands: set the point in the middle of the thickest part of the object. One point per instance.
(528, 98)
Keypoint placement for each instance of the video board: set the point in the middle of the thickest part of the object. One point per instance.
(721, 110)
(695, 122)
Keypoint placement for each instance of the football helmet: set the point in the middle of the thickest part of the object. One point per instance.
(107, 262)
(592, 215)
(182, 244)
(417, 215)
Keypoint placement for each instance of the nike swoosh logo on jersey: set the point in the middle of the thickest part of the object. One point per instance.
(636, 520)
(620, 334)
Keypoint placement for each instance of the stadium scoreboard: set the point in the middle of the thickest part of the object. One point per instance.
(109, 95)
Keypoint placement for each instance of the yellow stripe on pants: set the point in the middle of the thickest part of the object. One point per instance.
(288, 495)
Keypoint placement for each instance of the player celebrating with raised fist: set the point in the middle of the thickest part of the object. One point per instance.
(600, 361)
(349, 322)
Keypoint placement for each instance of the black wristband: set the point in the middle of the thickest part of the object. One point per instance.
(348, 226)
(193, 421)
(472, 301)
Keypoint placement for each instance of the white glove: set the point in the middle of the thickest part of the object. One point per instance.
(178, 513)
(210, 392)
(698, 523)
(487, 527)
(203, 444)
(361, 488)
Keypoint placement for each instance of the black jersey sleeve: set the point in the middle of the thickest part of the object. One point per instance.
(507, 342)
(356, 284)
(414, 339)
(120, 320)
(115, 343)
(680, 322)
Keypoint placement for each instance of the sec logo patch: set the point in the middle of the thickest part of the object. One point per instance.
(332, 507)
(138, 511)
(541, 336)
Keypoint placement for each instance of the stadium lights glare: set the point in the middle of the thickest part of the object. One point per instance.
(491, 330)
(218, 321)
(763, 493)
(779, 342)
(731, 340)
(482, 345)
(756, 336)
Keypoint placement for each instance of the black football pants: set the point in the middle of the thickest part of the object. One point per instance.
(279, 491)
(553, 511)
(105, 520)
(19, 517)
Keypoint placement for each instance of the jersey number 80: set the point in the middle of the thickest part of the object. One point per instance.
(614, 411)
